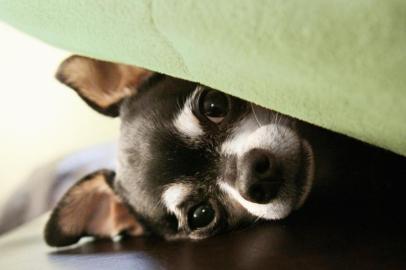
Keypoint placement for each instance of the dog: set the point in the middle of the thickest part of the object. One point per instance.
(194, 162)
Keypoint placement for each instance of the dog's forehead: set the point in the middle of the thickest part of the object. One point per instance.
(153, 150)
(157, 101)
(156, 127)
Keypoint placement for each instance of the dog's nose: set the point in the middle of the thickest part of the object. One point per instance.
(259, 180)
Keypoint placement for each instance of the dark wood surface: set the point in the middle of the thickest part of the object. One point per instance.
(326, 240)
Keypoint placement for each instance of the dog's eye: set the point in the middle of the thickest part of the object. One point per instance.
(214, 105)
(200, 216)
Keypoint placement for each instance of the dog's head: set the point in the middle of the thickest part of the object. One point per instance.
(193, 161)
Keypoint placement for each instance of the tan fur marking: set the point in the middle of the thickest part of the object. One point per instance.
(102, 82)
(92, 207)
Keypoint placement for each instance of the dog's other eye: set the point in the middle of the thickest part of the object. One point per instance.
(200, 216)
(214, 105)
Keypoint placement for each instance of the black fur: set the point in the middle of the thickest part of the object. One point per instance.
(155, 154)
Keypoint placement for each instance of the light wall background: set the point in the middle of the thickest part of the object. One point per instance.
(40, 119)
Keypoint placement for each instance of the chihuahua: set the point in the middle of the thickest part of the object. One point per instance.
(194, 162)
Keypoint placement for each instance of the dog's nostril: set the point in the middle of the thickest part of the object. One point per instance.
(259, 178)
(263, 192)
(256, 193)
(262, 165)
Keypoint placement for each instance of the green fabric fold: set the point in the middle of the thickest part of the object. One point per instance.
(339, 64)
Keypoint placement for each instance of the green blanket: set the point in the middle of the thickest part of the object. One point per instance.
(340, 64)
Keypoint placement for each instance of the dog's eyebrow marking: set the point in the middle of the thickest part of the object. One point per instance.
(174, 195)
(186, 122)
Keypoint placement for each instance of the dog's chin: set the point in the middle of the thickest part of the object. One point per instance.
(292, 195)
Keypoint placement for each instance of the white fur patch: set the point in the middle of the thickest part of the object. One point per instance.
(237, 144)
(187, 123)
(278, 208)
(248, 136)
(174, 195)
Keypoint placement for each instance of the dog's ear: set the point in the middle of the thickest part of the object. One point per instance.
(90, 208)
(103, 85)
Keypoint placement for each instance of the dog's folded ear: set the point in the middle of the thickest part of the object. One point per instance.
(103, 85)
(90, 208)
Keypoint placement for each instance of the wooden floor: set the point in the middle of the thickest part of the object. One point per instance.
(324, 240)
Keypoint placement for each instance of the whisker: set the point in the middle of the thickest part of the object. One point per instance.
(256, 220)
(255, 115)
